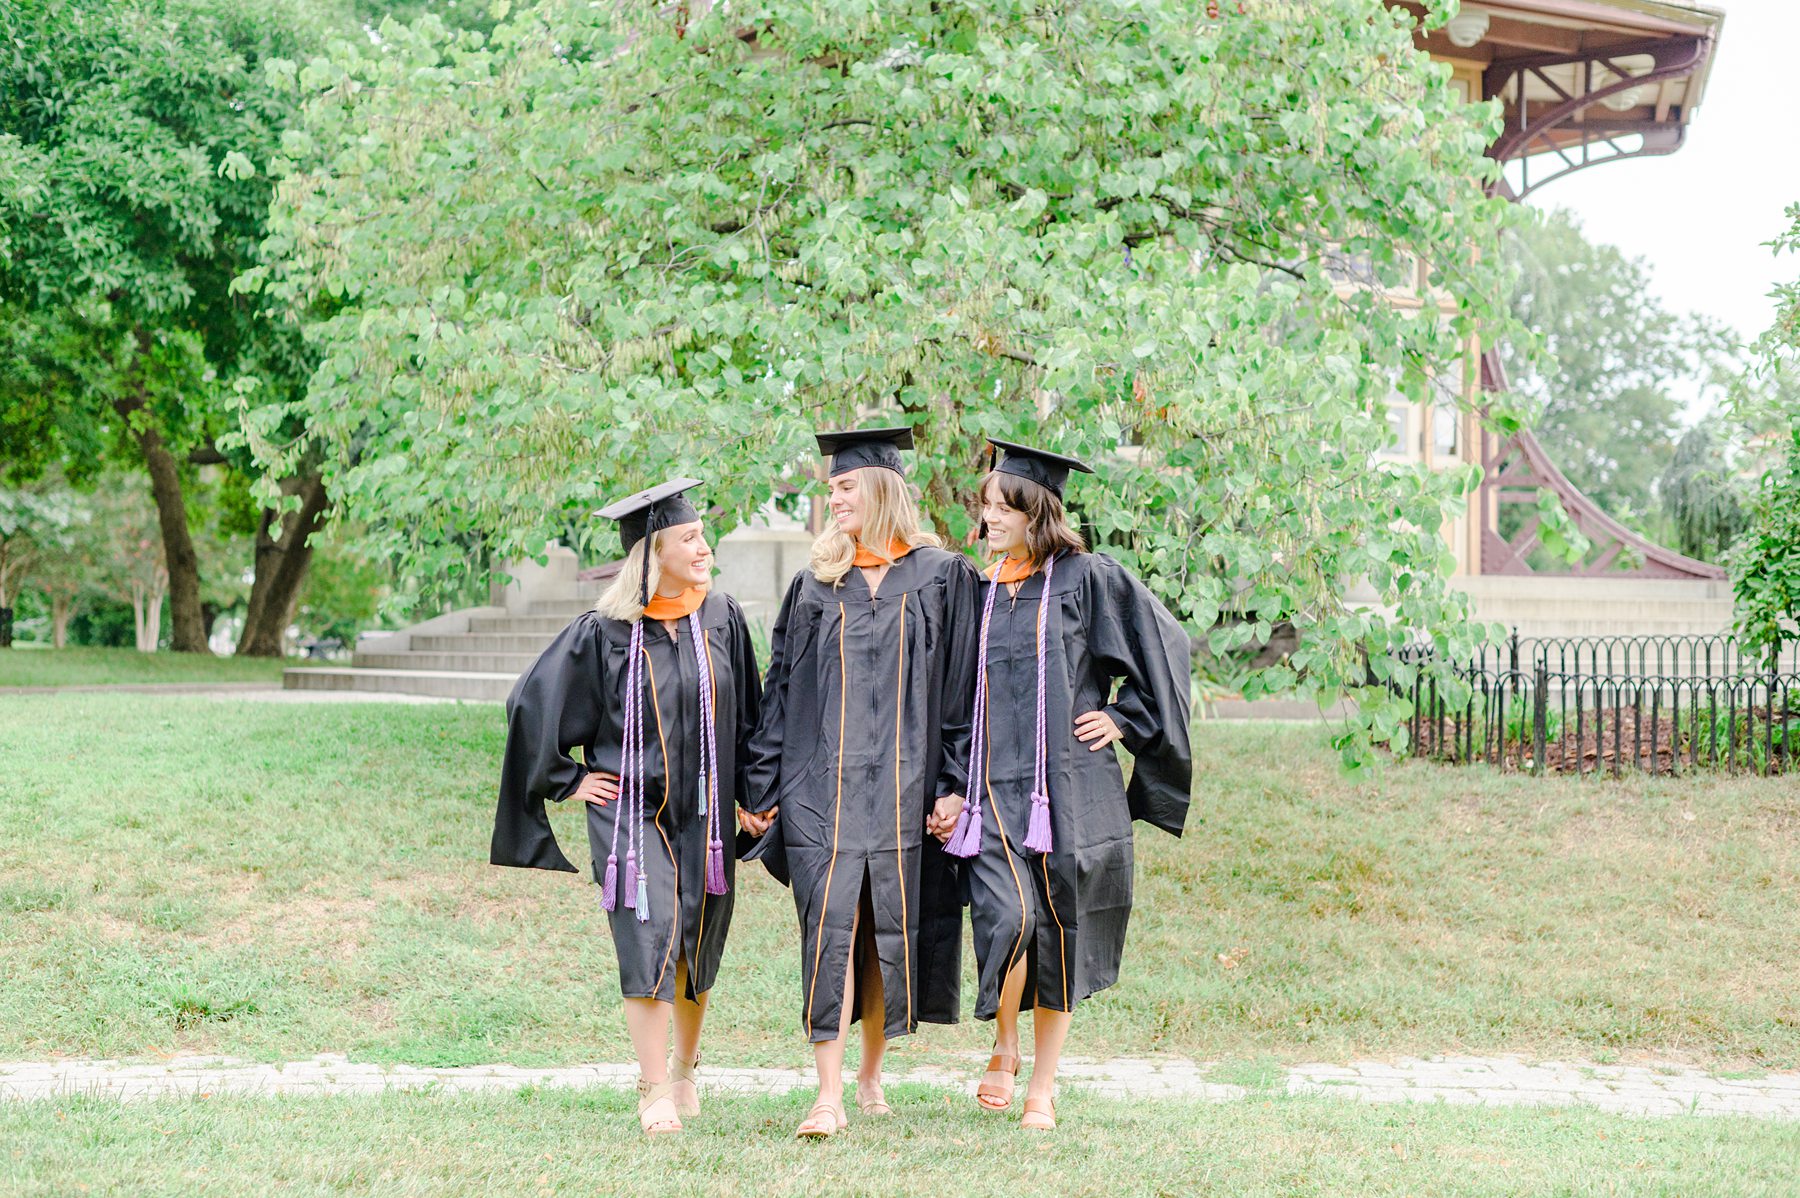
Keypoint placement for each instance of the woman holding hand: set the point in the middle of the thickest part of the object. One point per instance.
(1045, 832)
(658, 687)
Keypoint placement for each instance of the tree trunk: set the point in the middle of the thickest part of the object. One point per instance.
(138, 599)
(153, 622)
(281, 561)
(61, 609)
(6, 627)
(189, 632)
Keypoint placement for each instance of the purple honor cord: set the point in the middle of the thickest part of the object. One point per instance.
(966, 840)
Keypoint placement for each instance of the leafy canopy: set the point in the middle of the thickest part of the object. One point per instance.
(610, 243)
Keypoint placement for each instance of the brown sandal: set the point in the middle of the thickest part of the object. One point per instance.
(648, 1096)
(683, 1071)
(1040, 1115)
(822, 1122)
(995, 1096)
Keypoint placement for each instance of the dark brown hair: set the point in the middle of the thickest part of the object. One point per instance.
(1047, 528)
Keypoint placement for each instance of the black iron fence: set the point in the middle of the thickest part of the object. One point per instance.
(1581, 705)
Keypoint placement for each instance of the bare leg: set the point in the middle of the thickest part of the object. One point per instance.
(828, 1056)
(688, 1018)
(648, 1022)
(1006, 1019)
(1049, 1029)
(995, 1092)
(869, 1094)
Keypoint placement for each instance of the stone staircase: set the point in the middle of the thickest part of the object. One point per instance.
(478, 653)
(474, 654)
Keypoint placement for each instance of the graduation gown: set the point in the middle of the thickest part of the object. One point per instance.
(865, 724)
(574, 695)
(1064, 912)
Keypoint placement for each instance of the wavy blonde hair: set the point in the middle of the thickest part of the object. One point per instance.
(619, 601)
(889, 514)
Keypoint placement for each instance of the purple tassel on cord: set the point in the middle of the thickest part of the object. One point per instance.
(1037, 834)
(632, 890)
(709, 767)
(1037, 831)
(966, 840)
(609, 890)
(715, 867)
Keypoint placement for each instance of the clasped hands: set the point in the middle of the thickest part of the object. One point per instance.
(1095, 729)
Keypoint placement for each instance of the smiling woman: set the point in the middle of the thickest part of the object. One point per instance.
(658, 688)
(865, 731)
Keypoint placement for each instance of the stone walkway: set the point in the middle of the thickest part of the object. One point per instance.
(1485, 1081)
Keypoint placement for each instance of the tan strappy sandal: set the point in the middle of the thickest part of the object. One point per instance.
(998, 1095)
(648, 1096)
(683, 1071)
(822, 1122)
(876, 1107)
(1040, 1115)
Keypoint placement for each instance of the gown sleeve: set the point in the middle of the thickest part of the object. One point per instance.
(759, 773)
(962, 627)
(554, 706)
(749, 695)
(1141, 644)
(762, 756)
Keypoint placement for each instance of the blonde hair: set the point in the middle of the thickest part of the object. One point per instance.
(889, 514)
(619, 601)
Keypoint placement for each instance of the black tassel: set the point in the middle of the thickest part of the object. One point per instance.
(644, 582)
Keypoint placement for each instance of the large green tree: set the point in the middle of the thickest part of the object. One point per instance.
(616, 242)
(1609, 368)
(131, 195)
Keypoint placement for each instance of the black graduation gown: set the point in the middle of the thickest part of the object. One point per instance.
(865, 725)
(1065, 912)
(574, 695)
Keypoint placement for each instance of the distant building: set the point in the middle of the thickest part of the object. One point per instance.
(1581, 82)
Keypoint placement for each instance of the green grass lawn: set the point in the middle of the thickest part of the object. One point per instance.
(84, 666)
(273, 881)
(563, 1142)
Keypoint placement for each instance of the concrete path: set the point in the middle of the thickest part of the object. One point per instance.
(235, 692)
(1482, 1081)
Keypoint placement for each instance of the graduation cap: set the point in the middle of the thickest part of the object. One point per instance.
(662, 506)
(1040, 466)
(852, 449)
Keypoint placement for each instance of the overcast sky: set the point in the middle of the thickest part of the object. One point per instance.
(1699, 216)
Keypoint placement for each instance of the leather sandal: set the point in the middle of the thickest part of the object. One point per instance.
(876, 1106)
(683, 1071)
(1040, 1115)
(648, 1096)
(822, 1122)
(998, 1095)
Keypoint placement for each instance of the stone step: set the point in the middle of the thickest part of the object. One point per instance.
(473, 663)
(548, 625)
(566, 609)
(483, 642)
(444, 684)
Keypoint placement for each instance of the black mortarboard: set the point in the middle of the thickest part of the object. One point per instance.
(852, 449)
(1042, 467)
(662, 506)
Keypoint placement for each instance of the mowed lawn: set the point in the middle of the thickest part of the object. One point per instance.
(88, 666)
(274, 880)
(584, 1143)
